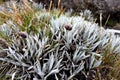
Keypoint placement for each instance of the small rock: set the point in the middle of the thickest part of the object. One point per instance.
(117, 26)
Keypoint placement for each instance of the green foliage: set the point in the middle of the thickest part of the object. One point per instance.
(112, 22)
(1, 1)
(6, 37)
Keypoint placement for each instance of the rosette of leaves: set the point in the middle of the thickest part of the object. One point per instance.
(56, 55)
(41, 57)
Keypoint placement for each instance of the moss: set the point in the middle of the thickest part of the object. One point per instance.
(112, 22)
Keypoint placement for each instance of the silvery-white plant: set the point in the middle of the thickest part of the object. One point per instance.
(87, 14)
(70, 51)
(37, 6)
